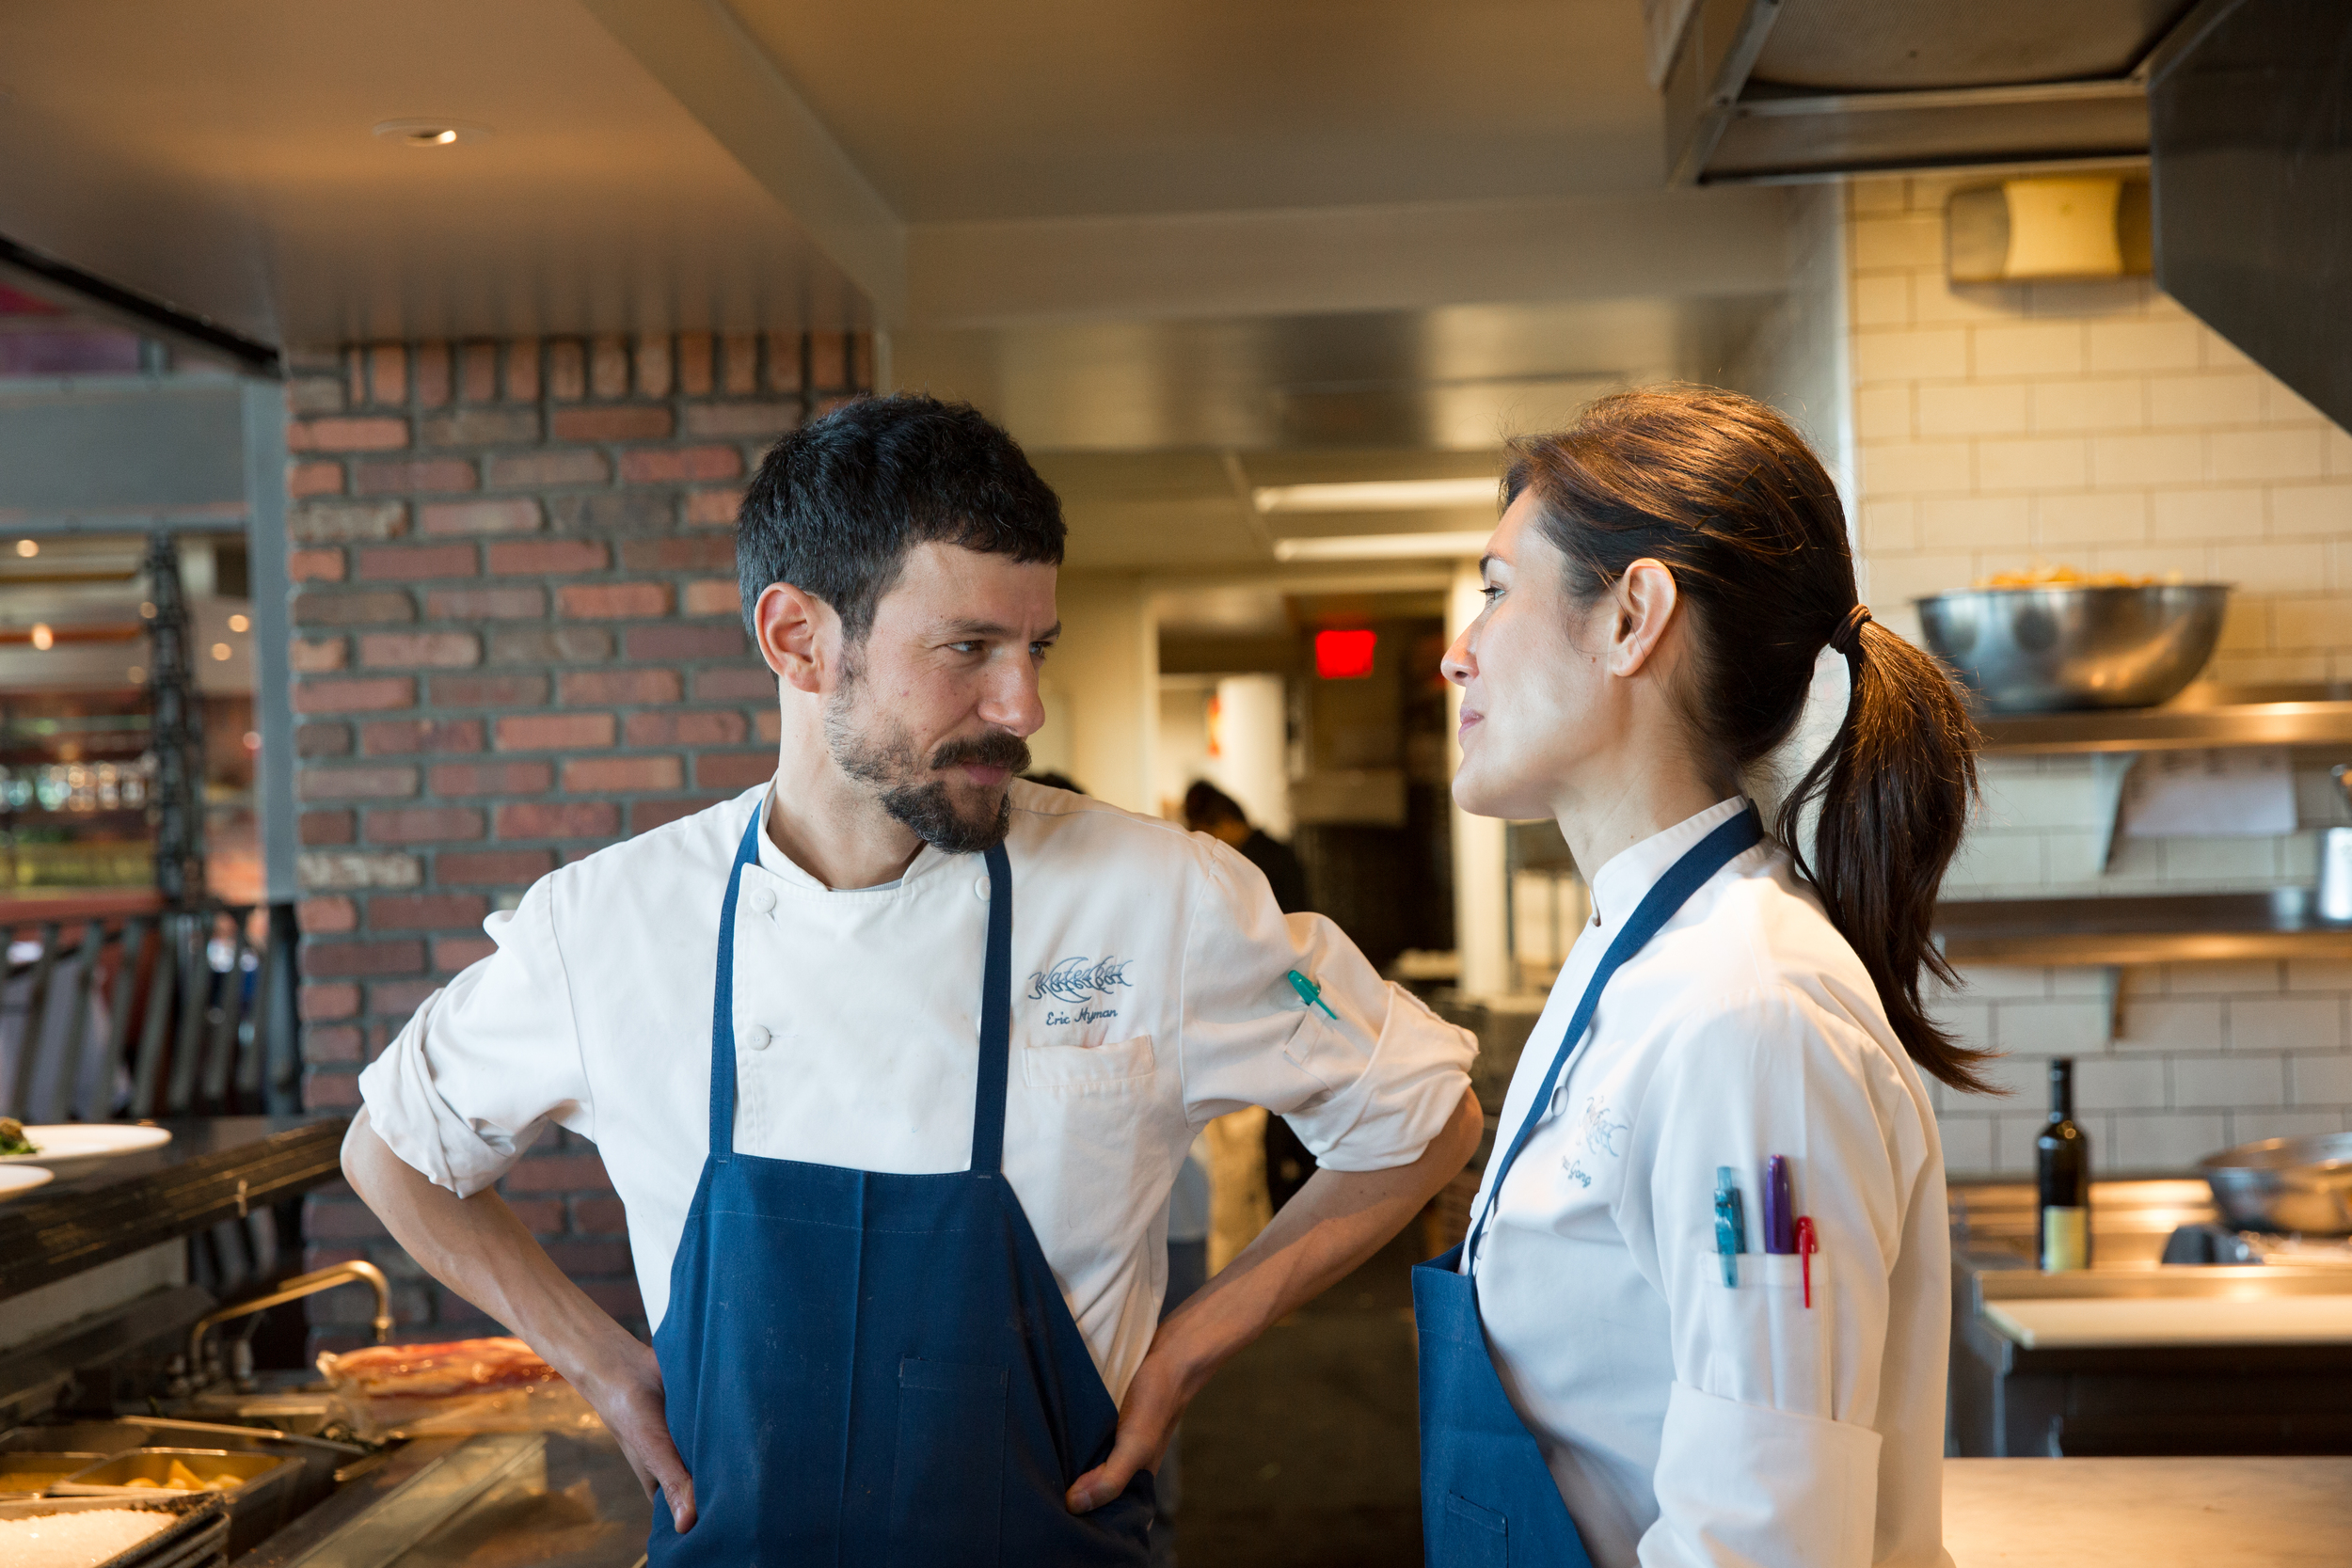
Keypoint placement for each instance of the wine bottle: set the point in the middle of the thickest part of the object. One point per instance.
(2062, 1174)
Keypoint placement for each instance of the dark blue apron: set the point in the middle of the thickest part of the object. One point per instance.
(869, 1368)
(1487, 1499)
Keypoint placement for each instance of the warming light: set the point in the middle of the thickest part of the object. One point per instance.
(43, 638)
(136, 675)
(238, 623)
(28, 548)
(430, 133)
(1345, 655)
(221, 652)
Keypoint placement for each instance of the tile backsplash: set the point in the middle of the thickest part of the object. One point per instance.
(2101, 425)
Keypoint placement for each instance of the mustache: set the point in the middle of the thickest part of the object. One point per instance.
(994, 749)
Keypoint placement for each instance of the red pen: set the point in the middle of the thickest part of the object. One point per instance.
(1808, 1244)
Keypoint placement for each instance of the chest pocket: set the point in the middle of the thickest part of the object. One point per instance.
(1087, 1067)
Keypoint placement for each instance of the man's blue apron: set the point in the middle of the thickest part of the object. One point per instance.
(1487, 1499)
(869, 1368)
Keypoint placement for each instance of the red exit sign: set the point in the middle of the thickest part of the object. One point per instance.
(1345, 655)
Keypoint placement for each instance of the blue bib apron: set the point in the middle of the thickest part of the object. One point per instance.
(1487, 1499)
(861, 1368)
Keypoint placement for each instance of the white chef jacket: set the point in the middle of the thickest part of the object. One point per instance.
(1685, 1421)
(1148, 996)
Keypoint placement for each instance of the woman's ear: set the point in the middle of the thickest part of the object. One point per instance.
(792, 628)
(1646, 596)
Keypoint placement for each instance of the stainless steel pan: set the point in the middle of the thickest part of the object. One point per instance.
(2302, 1185)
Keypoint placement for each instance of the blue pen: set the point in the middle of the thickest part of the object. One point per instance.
(1731, 1225)
(1311, 994)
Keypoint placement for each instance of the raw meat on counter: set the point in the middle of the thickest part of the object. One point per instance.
(496, 1385)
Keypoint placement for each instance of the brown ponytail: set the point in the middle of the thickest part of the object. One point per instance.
(1720, 489)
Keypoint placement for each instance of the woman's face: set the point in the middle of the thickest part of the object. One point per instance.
(1534, 683)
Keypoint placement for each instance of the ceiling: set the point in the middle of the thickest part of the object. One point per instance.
(1200, 105)
(1166, 242)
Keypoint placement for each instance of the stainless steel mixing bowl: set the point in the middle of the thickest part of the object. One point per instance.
(2304, 1185)
(2043, 650)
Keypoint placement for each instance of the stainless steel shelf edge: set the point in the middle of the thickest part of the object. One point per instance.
(2204, 715)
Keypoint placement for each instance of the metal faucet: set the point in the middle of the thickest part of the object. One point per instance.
(294, 1290)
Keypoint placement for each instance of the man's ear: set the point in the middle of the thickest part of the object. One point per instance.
(798, 636)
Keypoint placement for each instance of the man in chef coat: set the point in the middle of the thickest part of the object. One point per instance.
(820, 953)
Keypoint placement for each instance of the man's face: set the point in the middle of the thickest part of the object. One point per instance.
(934, 709)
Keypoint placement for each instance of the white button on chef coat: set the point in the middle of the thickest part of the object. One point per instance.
(1687, 1422)
(1148, 996)
(757, 1037)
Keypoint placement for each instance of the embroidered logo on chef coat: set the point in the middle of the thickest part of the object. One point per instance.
(1078, 981)
(1598, 1134)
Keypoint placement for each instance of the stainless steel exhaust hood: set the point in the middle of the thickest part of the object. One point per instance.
(1793, 89)
(2253, 188)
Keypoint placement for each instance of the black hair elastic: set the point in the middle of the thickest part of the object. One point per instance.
(1847, 638)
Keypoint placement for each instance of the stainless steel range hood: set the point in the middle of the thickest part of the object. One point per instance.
(2253, 188)
(1793, 89)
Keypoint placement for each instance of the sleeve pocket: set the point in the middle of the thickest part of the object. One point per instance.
(1764, 1345)
(948, 1483)
(1046, 1066)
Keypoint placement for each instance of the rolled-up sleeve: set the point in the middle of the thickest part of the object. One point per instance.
(1366, 1089)
(487, 1062)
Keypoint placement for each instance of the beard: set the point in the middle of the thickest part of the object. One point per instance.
(875, 752)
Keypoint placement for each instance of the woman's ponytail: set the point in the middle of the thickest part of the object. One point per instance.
(1894, 792)
(1720, 490)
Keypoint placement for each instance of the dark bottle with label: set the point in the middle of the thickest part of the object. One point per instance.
(2062, 1174)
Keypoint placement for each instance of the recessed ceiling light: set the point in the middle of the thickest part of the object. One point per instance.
(221, 652)
(28, 548)
(43, 638)
(430, 132)
(1394, 494)
(1384, 547)
(238, 623)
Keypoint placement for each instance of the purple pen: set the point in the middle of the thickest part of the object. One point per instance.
(1780, 1209)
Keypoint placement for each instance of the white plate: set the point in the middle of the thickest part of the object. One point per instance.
(16, 1180)
(67, 1141)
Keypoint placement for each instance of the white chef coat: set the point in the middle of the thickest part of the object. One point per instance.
(1148, 996)
(1685, 1421)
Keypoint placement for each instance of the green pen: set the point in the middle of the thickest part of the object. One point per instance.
(1311, 994)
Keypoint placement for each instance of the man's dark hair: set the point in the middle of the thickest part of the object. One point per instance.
(837, 503)
(1208, 806)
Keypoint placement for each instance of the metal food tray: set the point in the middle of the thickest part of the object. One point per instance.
(198, 1539)
(16, 1465)
(258, 1503)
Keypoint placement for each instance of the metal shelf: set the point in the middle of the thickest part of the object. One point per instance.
(2205, 714)
(2112, 932)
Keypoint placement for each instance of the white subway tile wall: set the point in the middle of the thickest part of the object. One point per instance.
(2101, 425)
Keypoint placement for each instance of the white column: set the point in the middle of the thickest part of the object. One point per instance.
(1480, 892)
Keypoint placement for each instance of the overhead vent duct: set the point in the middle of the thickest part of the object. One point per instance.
(1794, 89)
(2253, 188)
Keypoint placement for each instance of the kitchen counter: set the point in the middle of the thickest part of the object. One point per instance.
(213, 1169)
(2147, 1512)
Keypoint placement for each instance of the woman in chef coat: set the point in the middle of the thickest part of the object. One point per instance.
(1598, 1377)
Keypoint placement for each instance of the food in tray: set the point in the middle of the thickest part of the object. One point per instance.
(2039, 576)
(77, 1539)
(12, 1138)
(179, 1477)
(31, 1481)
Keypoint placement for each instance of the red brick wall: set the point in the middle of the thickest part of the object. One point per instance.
(516, 641)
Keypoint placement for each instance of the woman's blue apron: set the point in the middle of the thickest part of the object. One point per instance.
(869, 1368)
(1487, 1499)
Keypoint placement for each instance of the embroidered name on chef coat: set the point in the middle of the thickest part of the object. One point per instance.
(1599, 1134)
(1082, 982)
